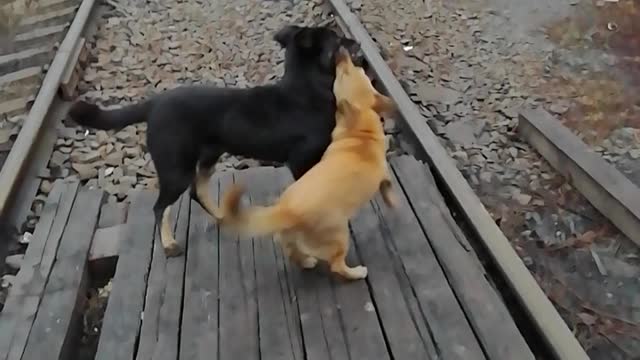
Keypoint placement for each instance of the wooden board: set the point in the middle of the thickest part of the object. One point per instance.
(608, 190)
(407, 331)
(112, 214)
(238, 331)
(313, 307)
(106, 242)
(103, 255)
(427, 145)
(484, 308)
(121, 324)
(170, 312)
(58, 319)
(159, 337)
(21, 307)
(362, 331)
(199, 333)
(446, 320)
(278, 338)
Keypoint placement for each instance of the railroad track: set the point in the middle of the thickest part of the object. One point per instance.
(25, 56)
(38, 54)
(22, 65)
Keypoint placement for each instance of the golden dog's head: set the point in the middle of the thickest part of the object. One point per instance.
(359, 104)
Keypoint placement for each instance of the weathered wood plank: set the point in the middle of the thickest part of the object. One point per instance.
(606, 188)
(33, 72)
(322, 330)
(161, 320)
(313, 308)
(40, 32)
(171, 309)
(362, 331)
(49, 15)
(406, 329)
(112, 214)
(451, 331)
(103, 255)
(11, 106)
(58, 319)
(156, 284)
(199, 336)
(238, 303)
(122, 318)
(21, 306)
(485, 310)
(283, 180)
(106, 241)
(276, 337)
(24, 54)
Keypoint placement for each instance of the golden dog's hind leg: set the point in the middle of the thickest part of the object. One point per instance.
(388, 195)
(337, 263)
(292, 251)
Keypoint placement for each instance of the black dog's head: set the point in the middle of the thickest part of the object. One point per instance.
(316, 45)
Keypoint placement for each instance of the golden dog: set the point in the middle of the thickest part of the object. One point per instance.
(311, 217)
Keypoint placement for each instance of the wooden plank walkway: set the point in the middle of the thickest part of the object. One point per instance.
(426, 296)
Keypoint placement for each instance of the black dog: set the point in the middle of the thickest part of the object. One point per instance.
(190, 127)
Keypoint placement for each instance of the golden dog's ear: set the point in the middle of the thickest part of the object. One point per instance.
(383, 104)
(285, 35)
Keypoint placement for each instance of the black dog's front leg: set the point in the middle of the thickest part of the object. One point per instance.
(305, 156)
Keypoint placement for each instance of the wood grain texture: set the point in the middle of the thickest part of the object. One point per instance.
(168, 344)
(199, 334)
(451, 331)
(276, 337)
(57, 322)
(112, 214)
(484, 308)
(159, 335)
(107, 241)
(122, 318)
(405, 327)
(24, 297)
(238, 303)
(314, 308)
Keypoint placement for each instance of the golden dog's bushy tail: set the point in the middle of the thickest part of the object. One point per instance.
(255, 220)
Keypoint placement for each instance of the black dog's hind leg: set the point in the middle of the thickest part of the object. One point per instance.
(171, 187)
(200, 186)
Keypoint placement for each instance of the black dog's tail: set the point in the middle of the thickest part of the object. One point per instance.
(92, 116)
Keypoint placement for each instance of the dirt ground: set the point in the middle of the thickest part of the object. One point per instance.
(470, 66)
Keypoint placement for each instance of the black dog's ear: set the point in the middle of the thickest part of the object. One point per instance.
(286, 34)
(304, 38)
(351, 45)
(355, 50)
